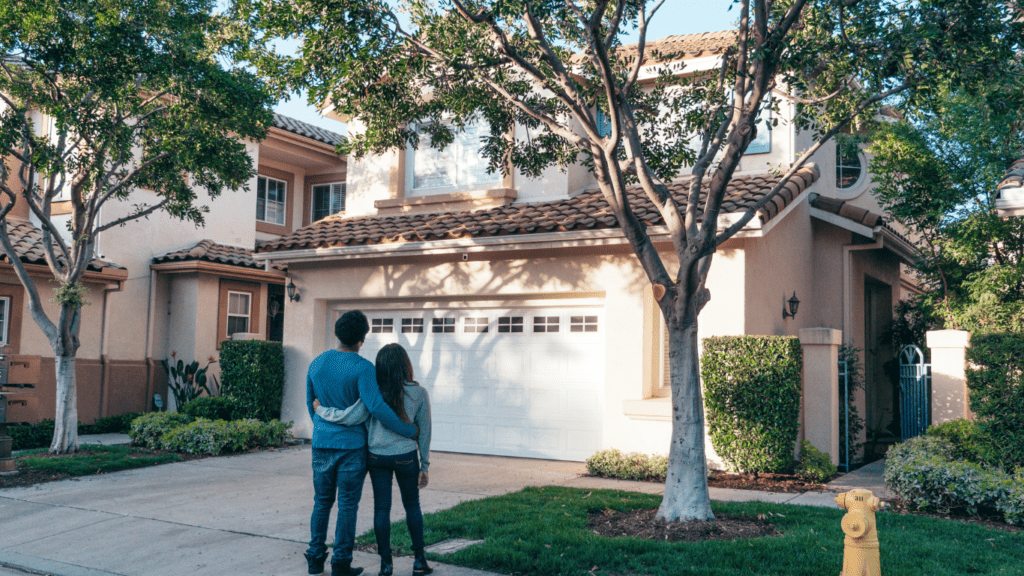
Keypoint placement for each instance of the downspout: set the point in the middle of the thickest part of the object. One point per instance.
(149, 338)
(848, 288)
(104, 346)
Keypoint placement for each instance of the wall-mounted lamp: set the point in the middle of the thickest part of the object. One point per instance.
(794, 305)
(293, 292)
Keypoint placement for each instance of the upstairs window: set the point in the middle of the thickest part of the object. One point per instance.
(270, 201)
(848, 165)
(328, 199)
(460, 164)
(5, 307)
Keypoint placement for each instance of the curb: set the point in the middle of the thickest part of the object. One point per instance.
(36, 565)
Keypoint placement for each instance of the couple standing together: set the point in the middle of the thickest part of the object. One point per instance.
(365, 418)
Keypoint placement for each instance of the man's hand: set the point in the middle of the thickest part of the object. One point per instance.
(316, 404)
(424, 479)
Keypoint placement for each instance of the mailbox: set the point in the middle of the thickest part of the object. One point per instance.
(19, 370)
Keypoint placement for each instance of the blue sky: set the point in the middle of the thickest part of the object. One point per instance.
(674, 17)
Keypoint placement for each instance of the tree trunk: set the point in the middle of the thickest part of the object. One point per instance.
(65, 427)
(686, 485)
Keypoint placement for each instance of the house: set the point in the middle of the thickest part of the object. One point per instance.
(525, 312)
(1010, 193)
(176, 289)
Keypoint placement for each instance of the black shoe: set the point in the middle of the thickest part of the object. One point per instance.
(316, 563)
(344, 568)
(387, 568)
(419, 565)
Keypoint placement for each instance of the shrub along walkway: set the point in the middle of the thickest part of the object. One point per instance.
(246, 514)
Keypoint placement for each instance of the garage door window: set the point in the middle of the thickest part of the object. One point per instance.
(442, 325)
(583, 324)
(545, 323)
(476, 324)
(510, 324)
(412, 325)
(382, 325)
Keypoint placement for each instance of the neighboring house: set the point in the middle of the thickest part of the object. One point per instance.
(1010, 193)
(177, 288)
(529, 319)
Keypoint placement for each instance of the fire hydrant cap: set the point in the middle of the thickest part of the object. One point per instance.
(855, 524)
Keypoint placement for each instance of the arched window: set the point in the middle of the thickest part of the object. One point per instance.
(848, 165)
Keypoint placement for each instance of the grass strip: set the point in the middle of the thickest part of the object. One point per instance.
(95, 459)
(543, 531)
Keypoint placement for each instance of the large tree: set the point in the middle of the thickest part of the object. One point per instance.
(938, 170)
(140, 94)
(419, 71)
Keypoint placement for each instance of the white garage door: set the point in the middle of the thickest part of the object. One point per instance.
(505, 381)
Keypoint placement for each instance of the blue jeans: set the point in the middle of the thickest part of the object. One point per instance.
(341, 472)
(406, 468)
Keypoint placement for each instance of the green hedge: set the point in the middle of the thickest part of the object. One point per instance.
(752, 395)
(252, 376)
(628, 466)
(814, 465)
(995, 378)
(40, 434)
(178, 432)
(212, 408)
(964, 437)
(923, 472)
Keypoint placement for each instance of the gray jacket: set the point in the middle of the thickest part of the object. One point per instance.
(382, 441)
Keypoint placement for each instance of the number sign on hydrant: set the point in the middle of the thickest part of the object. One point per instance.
(860, 555)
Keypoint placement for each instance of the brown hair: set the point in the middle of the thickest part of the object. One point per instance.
(394, 369)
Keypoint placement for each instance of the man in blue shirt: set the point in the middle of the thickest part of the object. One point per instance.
(338, 378)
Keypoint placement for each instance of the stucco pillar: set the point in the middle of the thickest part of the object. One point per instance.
(821, 389)
(949, 374)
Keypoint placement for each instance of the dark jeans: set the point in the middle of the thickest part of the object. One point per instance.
(406, 468)
(341, 472)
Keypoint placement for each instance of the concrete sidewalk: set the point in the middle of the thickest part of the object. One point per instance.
(246, 514)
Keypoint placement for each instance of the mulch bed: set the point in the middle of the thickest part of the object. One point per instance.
(643, 524)
(766, 482)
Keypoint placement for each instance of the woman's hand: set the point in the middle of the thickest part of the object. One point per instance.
(316, 404)
(424, 479)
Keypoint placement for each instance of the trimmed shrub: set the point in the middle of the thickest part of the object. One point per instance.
(147, 430)
(213, 437)
(252, 375)
(39, 435)
(964, 437)
(815, 465)
(752, 396)
(995, 379)
(1012, 506)
(211, 408)
(628, 466)
(921, 472)
(118, 424)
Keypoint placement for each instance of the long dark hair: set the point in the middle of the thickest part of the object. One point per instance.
(394, 369)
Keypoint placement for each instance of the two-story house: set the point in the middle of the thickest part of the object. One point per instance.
(1010, 193)
(177, 288)
(526, 314)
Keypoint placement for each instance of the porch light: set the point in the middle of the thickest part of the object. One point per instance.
(794, 305)
(293, 292)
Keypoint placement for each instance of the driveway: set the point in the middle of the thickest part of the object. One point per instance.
(246, 514)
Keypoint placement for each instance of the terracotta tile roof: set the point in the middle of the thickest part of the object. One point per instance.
(684, 47)
(1014, 177)
(847, 210)
(210, 251)
(28, 242)
(585, 211)
(301, 128)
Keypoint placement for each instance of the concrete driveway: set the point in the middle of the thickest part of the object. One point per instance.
(246, 514)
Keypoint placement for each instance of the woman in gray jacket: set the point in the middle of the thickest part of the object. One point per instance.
(394, 454)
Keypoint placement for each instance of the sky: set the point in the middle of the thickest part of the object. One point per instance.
(675, 17)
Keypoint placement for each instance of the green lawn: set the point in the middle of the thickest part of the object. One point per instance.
(543, 531)
(94, 459)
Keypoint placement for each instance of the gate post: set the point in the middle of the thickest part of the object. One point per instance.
(821, 388)
(949, 374)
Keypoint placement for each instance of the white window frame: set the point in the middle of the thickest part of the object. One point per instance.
(862, 160)
(455, 151)
(283, 202)
(5, 309)
(330, 190)
(247, 316)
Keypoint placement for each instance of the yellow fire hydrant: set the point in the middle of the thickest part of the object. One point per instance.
(860, 556)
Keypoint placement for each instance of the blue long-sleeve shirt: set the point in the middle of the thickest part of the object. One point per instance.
(338, 379)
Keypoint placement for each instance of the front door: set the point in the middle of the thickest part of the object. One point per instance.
(881, 393)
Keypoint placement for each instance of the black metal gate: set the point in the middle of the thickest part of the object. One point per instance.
(915, 392)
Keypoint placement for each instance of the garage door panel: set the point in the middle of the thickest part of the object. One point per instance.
(524, 393)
